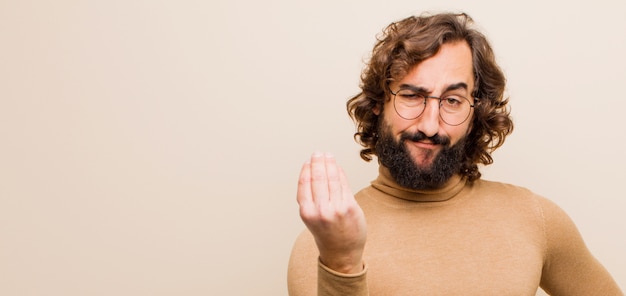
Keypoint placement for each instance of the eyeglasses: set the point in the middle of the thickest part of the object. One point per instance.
(453, 109)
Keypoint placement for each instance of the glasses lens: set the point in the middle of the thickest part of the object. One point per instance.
(409, 104)
(454, 109)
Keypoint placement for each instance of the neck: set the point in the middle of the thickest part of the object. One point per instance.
(448, 190)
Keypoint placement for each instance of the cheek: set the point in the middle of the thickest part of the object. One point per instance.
(396, 123)
(455, 133)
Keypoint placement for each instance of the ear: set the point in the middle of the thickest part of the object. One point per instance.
(376, 110)
(473, 116)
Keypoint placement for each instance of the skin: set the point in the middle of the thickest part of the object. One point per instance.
(330, 212)
(327, 205)
(449, 68)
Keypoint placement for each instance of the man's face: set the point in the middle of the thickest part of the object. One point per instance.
(427, 142)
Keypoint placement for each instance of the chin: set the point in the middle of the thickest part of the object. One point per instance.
(425, 159)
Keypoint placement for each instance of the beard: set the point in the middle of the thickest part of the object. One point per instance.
(406, 172)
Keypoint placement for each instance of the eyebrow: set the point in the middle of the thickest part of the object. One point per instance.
(420, 89)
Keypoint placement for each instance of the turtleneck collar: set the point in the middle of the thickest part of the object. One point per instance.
(388, 185)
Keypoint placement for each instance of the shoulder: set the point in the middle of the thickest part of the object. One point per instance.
(506, 192)
(513, 194)
(302, 267)
(534, 208)
(555, 223)
(501, 187)
(304, 248)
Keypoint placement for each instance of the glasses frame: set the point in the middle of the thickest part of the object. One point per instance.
(439, 99)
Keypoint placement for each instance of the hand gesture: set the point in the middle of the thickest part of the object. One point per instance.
(330, 212)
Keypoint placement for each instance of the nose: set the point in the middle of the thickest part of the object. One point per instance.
(428, 122)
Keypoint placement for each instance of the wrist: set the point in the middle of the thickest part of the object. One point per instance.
(343, 264)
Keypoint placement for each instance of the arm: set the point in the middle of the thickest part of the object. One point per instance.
(569, 268)
(337, 225)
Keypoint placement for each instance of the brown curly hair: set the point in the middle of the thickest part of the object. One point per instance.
(405, 44)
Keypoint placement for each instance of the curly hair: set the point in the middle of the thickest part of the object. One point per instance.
(410, 41)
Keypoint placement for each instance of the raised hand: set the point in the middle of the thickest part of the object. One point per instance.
(330, 212)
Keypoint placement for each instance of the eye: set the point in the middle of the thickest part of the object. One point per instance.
(410, 95)
(453, 101)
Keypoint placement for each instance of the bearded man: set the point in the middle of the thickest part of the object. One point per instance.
(431, 109)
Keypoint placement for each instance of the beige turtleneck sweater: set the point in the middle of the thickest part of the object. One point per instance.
(484, 238)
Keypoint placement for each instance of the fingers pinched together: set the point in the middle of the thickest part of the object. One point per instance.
(330, 212)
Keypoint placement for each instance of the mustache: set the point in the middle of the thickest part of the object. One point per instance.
(420, 136)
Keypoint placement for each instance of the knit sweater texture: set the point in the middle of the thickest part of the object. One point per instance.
(480, 238)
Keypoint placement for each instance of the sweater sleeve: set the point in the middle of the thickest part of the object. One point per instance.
(569, 267)
(330, 282)
(307, 276)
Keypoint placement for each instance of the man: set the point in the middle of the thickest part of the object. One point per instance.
(431, 109)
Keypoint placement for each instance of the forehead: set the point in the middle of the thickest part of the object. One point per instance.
(451, 65)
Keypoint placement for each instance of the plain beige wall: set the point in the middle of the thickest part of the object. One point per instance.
(153, 147)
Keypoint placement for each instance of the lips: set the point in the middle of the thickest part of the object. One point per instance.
(420, 137)
(425, 144)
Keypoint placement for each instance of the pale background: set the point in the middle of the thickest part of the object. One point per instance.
(153, 147)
